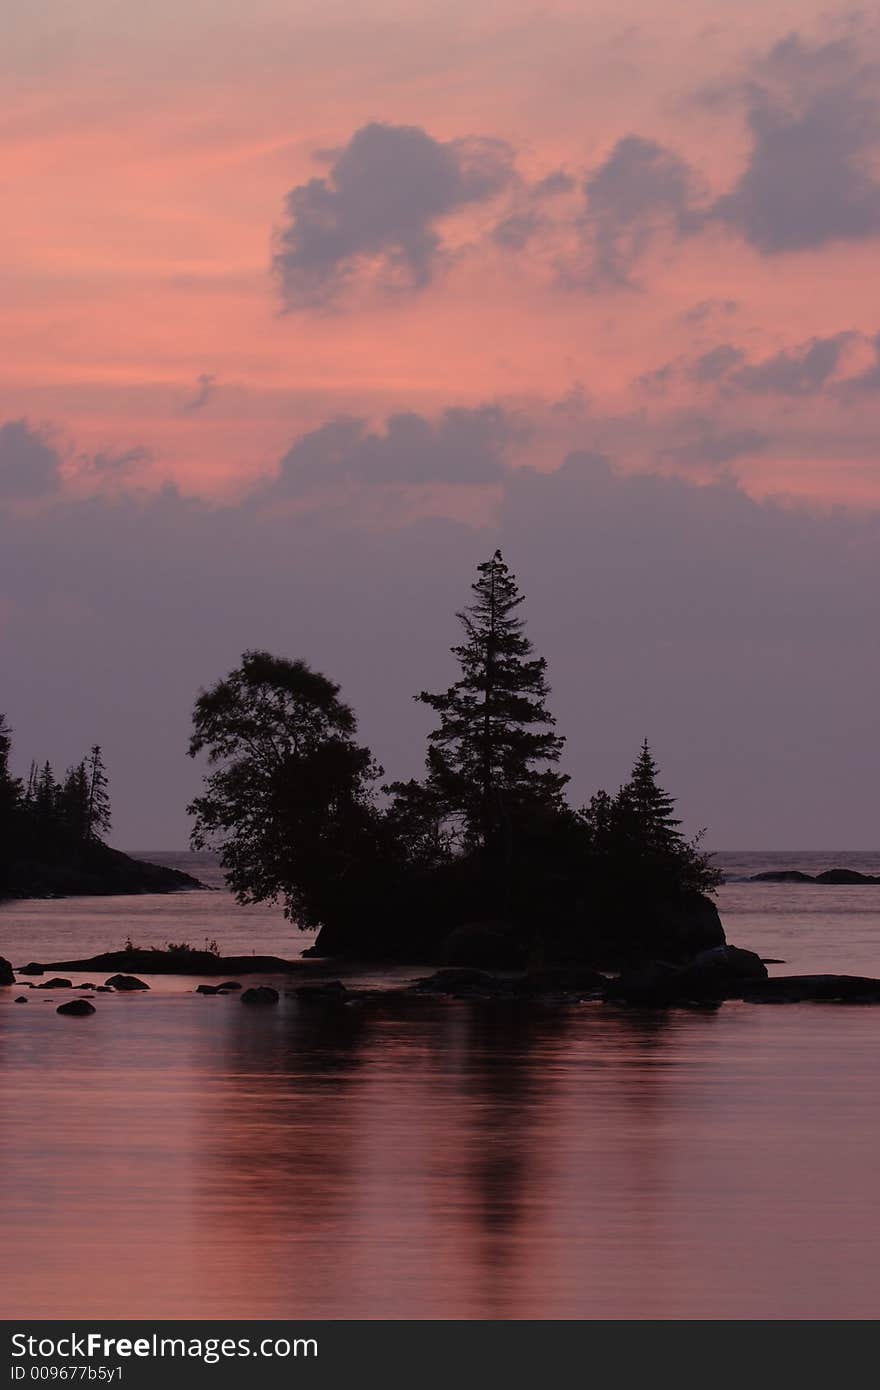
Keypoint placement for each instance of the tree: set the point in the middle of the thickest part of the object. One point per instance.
(98, 820)
(650, 807)
(635, 840)
(74, 801)
(10, 787)
(487, 760)
(289, 803)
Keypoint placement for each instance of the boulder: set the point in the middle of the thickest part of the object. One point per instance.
(573, 980)
(87, 985)
(55, 983)
(782, 876)
(650, 986)
(827, 989)
(21, 999)
(76, 1008)
(462, 983)
(125, 982)
(844, 876)
(482, 944)
(322, 991)
(713, 972)
(102, 989)
(229, 985)
(260, 994)
(7, 974)
(207, 989)
(31, 969)
(719, 973)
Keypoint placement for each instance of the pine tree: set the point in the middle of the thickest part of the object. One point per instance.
(10, 787)
(650, 807)
(74, 801)
(98, 806)
(487, 761)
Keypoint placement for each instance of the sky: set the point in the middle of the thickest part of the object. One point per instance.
(309, 307)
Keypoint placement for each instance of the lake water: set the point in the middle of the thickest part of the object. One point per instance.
(180, 1156)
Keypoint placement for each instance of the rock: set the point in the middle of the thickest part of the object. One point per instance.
(76, 1008)
(125, 982)
(493, 944)
(574, 980)
(651, 986)
(461, 983)
(782, 876)
(845, 876)
(55, 983)
(7, 974)
(102, 989)
(21, 999)
(796, 989)
(721, 966)
(321, 992)
(87, 985)
(260, 994)
(30, 969)
(716, 974)
(229, 985)
(207, 989)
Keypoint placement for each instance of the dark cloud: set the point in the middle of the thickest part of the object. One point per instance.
(716, 363)
(379, 205)
(803, 371)
(29, 464)
(709, 308)
(640, 190)
(814, 119)
(463, 446)
(698, 441)
(204, 391)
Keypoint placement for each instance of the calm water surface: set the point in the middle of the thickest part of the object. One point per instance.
(175, 1156)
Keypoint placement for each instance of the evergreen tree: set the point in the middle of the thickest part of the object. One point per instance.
(74, 799)
(649, 808)
(10, 787)
(45, 795)
(487, 760)
(98, 819)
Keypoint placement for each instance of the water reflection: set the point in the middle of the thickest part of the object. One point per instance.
(430, 1159)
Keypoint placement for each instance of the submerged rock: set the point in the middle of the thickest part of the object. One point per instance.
(76, 1008)
(21, 999)
(125, 982)
(208, 989)
(260, 994)
(323, 991)
(55, 983)
(7, 974)
(460, 983)
(829, 989)
(228, 986)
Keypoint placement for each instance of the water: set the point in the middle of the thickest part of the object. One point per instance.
(175, 1156)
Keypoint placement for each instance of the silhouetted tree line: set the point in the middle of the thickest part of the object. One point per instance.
(44, 817)
(299, 811)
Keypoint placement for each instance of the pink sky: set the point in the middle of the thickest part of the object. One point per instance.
(148, 156)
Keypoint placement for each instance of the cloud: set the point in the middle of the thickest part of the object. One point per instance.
(462, 446)
(803, 371)
(29, 465)
(814, 119)
(866, 382)
(697, 441)
(379, 206)
(641, 190)
(204, 391)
